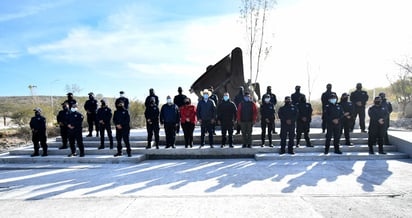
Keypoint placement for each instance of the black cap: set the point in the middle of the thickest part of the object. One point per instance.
(91, 93)
(333, 95)
(121, 92)
(68, 94)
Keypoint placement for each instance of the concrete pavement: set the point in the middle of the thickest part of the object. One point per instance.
(209, 188)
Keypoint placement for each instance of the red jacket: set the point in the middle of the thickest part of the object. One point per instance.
(188, 112)
(254, 112)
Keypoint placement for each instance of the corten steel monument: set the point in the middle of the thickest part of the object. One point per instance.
(226, 76)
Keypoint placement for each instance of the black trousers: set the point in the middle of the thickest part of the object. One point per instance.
(92, 121)
(64, 131)
(376, 135)
(227, 130)
(39, 138)
(287, 131)
(152, 129)
(188, 129)
(75, 136)
(347, 125)
(170, 131)
(123, 134)
(108, 128)
(334, 131)
(361, 112)
(269, 126)
(206, 126)
(302, 127)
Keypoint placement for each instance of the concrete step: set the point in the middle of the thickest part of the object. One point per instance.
(331, 156)
(91, 159)
(143, 143)
(180, 137)
(196, 152)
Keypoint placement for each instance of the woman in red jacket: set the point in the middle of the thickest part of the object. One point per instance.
(188, 121)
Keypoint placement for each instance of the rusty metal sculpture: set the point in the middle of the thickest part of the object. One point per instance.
(226, 76)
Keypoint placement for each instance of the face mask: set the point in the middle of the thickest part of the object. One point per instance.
(333, 100)
(267, 100)
(187, 103)
(226, 98)
(169, 101)
(205, 96)
(287, 102)
(73, 109)
(377, 102)
(246, 99)
(37, 114)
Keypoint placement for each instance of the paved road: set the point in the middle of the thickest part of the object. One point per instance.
(209, 188)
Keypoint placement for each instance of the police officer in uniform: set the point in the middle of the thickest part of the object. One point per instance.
(303, 121)
(388, 106)
(333, 116)
(38, 129)
(104, 117)
(359, 99)
(347, 120)
(62, 118)
(91, 109)
(274, 101)
(288, 115)
(121, 120)
(267, 116)
(150, 96)
(295, 97)
(226, 116)
(123, 99)
(151, 114)
(75, 122)
(325, 100)
(378, 115)
(70, 100)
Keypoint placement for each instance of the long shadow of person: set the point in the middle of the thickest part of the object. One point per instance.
(374, 173)
(318, 171)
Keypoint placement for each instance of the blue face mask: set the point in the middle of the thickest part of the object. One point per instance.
(226, 98)
(333, 100)
(205, 96)
(246, 99)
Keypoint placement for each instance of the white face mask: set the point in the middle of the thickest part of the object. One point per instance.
(267, 100)
(169, 101)
(333, 100)
(73, 109)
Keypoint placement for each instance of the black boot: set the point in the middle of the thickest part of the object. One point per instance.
(149, 145)
(326, 149)
(371, 149)
(282, 149)
(380, 147)
(337, 150)
(44, 152)
(290, 150)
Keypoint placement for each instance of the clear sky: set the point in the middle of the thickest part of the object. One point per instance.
(133, 45)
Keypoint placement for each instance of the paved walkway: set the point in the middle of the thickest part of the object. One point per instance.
(209, 188)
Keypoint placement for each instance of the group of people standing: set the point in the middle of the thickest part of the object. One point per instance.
(238, 114)
(70, 121)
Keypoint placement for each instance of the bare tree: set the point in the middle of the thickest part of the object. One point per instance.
(402, 86)
(254, 14)
(311, 81)
(73, 88)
